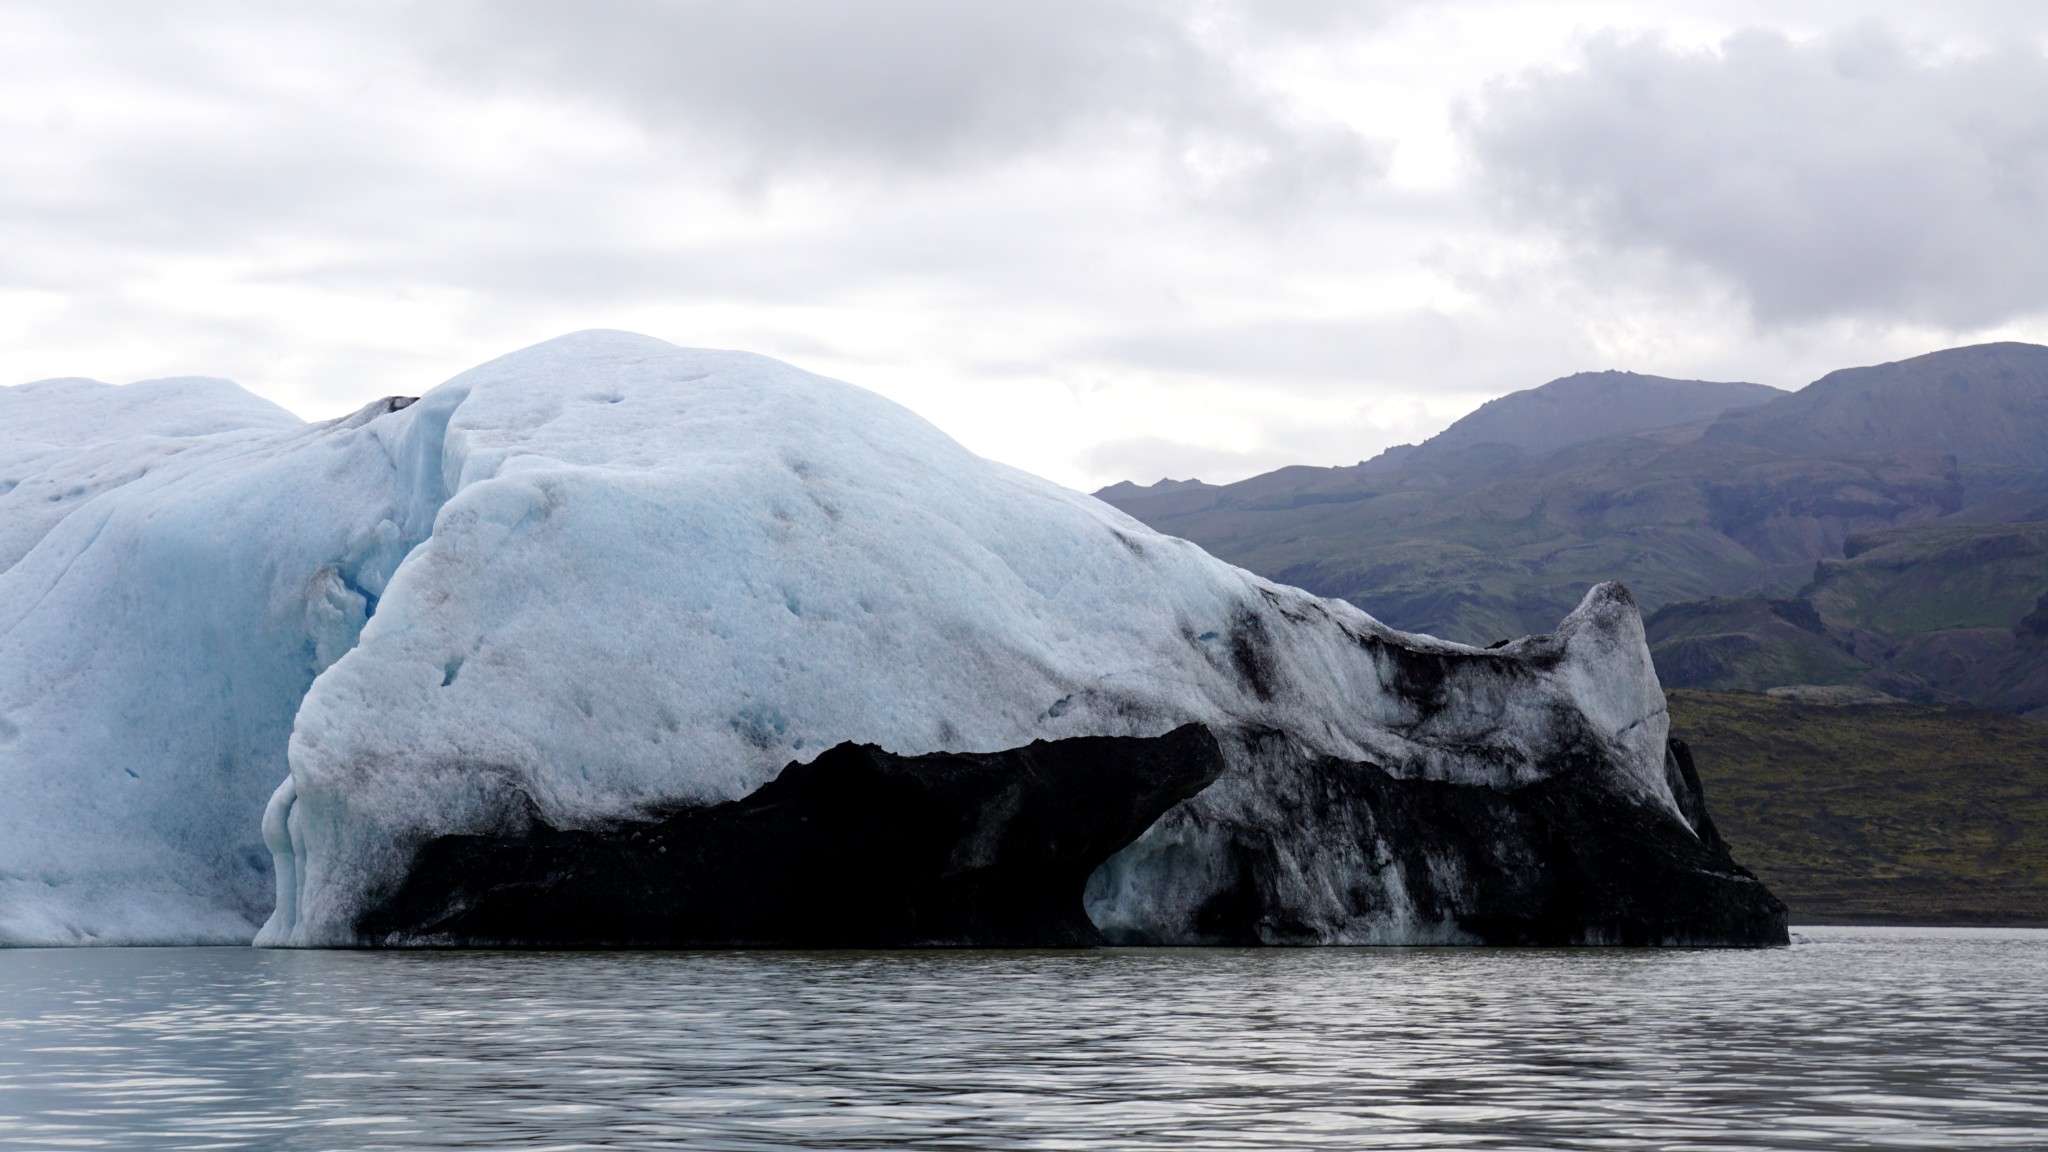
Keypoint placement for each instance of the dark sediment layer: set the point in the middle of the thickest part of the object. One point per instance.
(859, 848)
(1558, 862)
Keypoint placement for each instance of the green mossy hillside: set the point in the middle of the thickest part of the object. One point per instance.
(1877, 813)
(1934, 577)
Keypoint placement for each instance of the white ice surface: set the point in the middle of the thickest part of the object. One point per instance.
(608, 572)
(167, 594)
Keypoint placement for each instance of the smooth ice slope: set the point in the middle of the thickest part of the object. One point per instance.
(663, 574)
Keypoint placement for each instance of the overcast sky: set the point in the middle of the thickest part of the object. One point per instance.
(1100, 239)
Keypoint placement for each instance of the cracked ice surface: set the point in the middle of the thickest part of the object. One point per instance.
(605, 573)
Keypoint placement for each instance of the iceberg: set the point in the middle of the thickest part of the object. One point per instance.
(414, 677)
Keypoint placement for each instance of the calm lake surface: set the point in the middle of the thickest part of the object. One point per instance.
(1904, 1038)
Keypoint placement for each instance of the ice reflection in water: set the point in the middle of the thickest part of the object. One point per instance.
(1897, 1039)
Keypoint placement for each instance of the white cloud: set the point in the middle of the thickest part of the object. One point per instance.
(1835, 177)
(1090, 238)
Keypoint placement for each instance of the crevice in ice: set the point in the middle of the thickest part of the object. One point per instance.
(418, 454)
(369, 598)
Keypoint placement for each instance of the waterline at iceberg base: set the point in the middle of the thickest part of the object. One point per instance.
(527, 652)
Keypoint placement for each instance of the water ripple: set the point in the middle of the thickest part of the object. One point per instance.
(1860, 1039)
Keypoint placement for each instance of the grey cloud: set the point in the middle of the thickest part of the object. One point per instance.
(1300, 352)
(904, 79)
(1334, 391)
(1311, 18)
(176, 136)
(1833, 178)
(910, 83)
(1277, 440)
(1421, 352)
(1145, 459)
(324, 127)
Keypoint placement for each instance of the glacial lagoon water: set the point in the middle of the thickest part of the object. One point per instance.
(1858, 1038)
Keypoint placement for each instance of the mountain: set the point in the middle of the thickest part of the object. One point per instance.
(1588, 406)
(1986, 405)
(1911, 476)
(608, 642)
(1571, 410)
(1491, 543)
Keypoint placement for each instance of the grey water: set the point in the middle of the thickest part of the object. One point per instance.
(1858, 1038)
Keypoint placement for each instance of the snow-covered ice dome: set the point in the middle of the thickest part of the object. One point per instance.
(605, 574)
